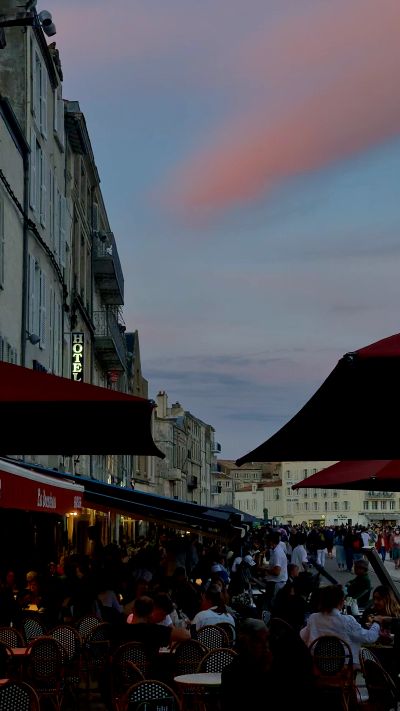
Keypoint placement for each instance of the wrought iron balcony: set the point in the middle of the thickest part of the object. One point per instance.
(107, 269)
(380, 494)
(109, 341)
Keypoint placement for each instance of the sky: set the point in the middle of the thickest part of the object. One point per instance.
(249, 155)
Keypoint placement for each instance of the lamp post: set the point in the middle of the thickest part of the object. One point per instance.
(27, 18)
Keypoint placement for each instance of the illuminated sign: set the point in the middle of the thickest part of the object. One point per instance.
(78, 341)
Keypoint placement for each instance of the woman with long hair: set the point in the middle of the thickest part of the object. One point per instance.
(330, 621)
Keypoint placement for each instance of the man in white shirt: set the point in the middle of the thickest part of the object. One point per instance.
(299, 555)
(277, 567)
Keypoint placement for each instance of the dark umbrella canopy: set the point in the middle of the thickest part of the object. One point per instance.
(364, 475)
(46, 414)
(351, 417)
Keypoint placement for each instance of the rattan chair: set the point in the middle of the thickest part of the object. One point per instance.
(7, 668)
(32, 627)
(18, 696)
(230, 631)
(383, 694)
(149, 695)
(86, 624)
(187, 656)
(216, 660)
(212, 637)
(333, 668)
(45, 669)
(96, 654)
(123, 675)
(70, 640)
(11, 637)
(134, 652)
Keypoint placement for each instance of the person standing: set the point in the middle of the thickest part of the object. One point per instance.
(396, 548)
(276, 573)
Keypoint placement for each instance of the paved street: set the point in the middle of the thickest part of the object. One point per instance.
(343, 576)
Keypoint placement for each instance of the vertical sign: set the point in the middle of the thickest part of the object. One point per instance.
(78, 341)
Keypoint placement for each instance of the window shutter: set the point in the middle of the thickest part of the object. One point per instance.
(32, 175)
(2, 237)
(42, 310)
(63, 228)
(60, 109)
(55, 111)
(43, 101)
(43, 188)
(37, 93)
(31, 292)
(51, 327)
(56, 211)
(38, 177)
(51, 207)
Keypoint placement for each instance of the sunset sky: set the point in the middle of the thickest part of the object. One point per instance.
(249, 155)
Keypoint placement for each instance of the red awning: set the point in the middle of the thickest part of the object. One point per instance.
(25, 489)
(363, 475)
(350, 417)
(46, 414)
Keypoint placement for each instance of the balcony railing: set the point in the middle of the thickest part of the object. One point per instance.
(109, 341)
(380, 494)
(107, 269)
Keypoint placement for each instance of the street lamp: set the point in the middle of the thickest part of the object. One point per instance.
(27, 18)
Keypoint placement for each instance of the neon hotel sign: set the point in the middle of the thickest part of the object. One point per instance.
(78, 343)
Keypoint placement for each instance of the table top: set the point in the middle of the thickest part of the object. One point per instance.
(19, 651)
(201, 679)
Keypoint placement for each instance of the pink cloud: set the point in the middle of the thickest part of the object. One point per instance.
(340, 65)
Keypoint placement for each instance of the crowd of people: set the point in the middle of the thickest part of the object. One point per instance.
(164, 590)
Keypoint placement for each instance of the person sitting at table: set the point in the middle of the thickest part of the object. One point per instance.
(162, 610)
(141, 627)
(383, 604)
(213, 610)
(359, 588)
(259, 673)
(331, 621)
(290, 605)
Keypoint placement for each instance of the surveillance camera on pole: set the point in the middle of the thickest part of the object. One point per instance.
(46, 21)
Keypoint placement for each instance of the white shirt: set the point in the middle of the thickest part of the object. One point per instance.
(210, 617)
(278, 558)
(344, 626)
(299, 556)
(365, 538)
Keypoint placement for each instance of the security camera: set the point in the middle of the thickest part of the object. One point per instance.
(46, 20)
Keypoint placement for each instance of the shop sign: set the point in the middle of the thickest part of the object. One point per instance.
(77, 362)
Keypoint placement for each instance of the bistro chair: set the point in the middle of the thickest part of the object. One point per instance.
(383, 694)
(212, 637)
(187, 656)
(134, 652)
(70, 640)
(18, 696)
(149, 695)
(96, 654)
(11, 636)
(7, 668)
(45, 669)
(123, 675)
(230, 631)
(86, 624)
(333, 668)
(32, 627)
(216, 660)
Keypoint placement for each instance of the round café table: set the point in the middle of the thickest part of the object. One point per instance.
(198, 688)
(210, 679)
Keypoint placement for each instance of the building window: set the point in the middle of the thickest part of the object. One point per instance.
(374, 505)
(2, 238)
(383, 505)
(305, 472)
(345, 506)
(391, 505)
(335, 505)
(366, 505)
